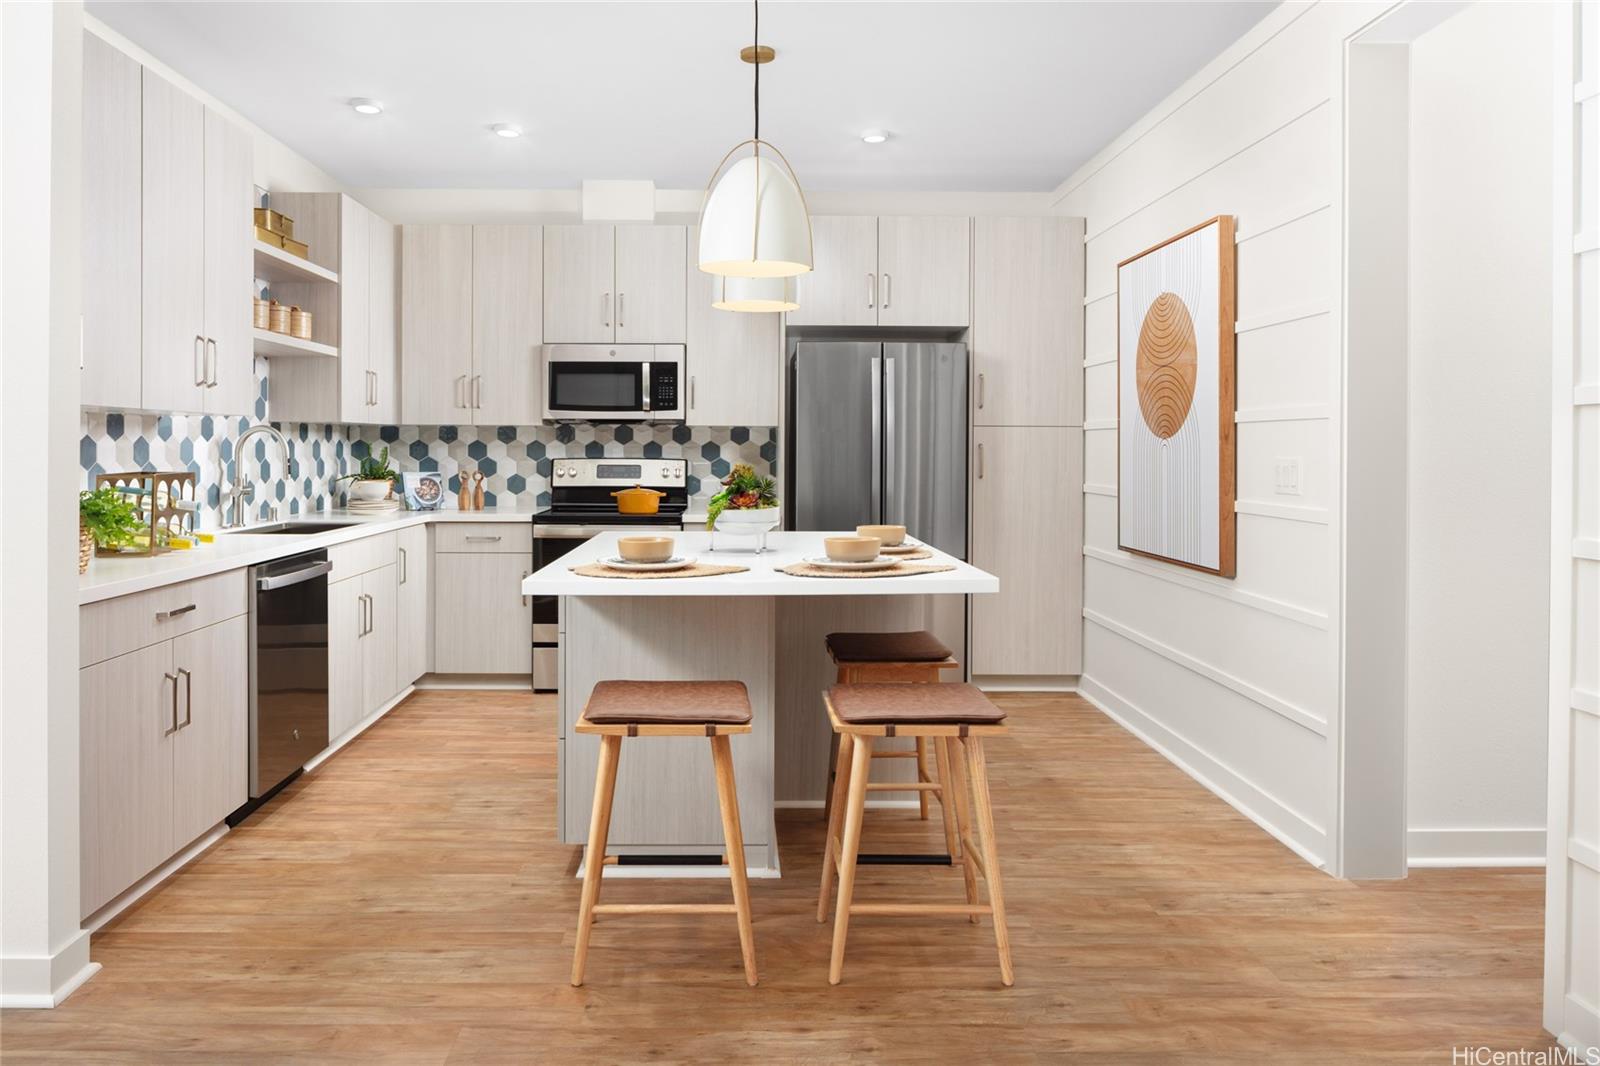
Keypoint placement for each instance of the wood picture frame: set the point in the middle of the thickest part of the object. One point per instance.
(1176, 438)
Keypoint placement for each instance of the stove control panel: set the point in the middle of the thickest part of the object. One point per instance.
(619, 473)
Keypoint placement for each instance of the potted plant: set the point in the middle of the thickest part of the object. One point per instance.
(106, 519)
(748, 502)
(374, 478)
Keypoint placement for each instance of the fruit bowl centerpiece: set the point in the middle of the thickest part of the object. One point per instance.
(747, 506)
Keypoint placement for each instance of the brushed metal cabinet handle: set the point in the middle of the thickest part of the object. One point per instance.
(162, 616)
(488, 539)
(691, 392)
(525, 574)
(980, 461)
(461, 391)
(199, 360)
(980, 392)
(188, 696)
(477, 391)
(403, 568)
(887, 289)
(872, 290)
(174, 727)
(211, 359)
(620, 297)
(605, 310)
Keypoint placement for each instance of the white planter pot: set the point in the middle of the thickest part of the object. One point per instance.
(748, 522)
(370, 490)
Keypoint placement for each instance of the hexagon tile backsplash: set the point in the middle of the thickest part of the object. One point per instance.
(515, 460)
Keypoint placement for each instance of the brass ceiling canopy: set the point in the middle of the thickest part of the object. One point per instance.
(752, 53)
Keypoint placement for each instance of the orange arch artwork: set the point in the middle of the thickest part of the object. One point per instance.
(1175, 399)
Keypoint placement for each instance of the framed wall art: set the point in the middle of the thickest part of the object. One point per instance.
(1175, 399)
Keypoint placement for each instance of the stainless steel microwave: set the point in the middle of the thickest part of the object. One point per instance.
(613, 382)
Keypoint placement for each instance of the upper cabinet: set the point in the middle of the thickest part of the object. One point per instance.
(470, 324)
(614, 284)
(735, 357)
(1027, 321)
(112, 163)
(890, 271)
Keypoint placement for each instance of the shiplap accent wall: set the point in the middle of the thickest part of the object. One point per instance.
(1235, 680)
(1572, 909)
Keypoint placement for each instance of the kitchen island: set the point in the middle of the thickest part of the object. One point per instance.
(762, 627)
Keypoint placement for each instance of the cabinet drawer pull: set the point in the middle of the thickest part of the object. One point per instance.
(872, 290)
(174, 727)
(620, 297)
(691, 392)
(980, 392)
(199, 360)
(477, 391)
(403, 567)
(461, 391)
(525, 574)
(211, 360)
(605, 310)
(887, 289)
(162, 616)
(980, 461)
(491, 539)
(188, 696)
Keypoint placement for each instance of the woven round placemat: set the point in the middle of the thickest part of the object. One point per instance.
(914, 553)
(899, 570)
(694, 570)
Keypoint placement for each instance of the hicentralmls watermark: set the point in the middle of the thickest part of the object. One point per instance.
(1555, 1056)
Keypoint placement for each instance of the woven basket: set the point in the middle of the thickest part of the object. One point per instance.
(279, 317)
(85, 548)
(299, 323)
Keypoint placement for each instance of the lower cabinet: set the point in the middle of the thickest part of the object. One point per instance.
(482, 623)
(1027, 530)
(362, 650)
(414, 604)
(164, 752)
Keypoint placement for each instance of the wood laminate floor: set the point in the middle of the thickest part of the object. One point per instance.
(408, 902)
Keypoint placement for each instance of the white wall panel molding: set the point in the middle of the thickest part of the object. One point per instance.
(1087, 300)
(1467, 847)
(1241, 236)
(1583, 92)
(1099, 423)
(1101, 490)
(1585, 395)
(1294, 612)
(1586, 548)
(1587, 241)
(1578, 851)
(1100, 360)
(1305, 412)
(1286, 511)
(1279, 318)
(1586, 701)
(1289, 711)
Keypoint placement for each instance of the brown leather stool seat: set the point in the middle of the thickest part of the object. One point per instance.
(669, 703)
(947, 704)
(917, 647)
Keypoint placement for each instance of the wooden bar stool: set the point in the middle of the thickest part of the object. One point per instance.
(956, 718)
(617, 709)
(907, 658)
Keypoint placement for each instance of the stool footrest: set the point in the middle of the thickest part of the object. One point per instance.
(913, 909)
(664, 860)
(904, 786)
(894, 859)
(894, 755)
(664, 908)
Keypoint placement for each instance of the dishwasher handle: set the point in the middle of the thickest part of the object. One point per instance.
(294, 577)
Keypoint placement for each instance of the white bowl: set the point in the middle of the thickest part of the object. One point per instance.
(750, 520)
(370, 490)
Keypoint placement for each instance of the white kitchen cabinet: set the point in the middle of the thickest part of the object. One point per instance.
(436, 324)
(379, 653)
(1027, 530)
(507, 324)
(482, 623)
(354, 395)
(413, 605)
(1027, 322)
(173, 259)
(605, 284)
(383, 318)
(735, 358)
(841, 287)
(111, 248)
(924, 271)
(362, 647)
(229, 241)
(211, 750)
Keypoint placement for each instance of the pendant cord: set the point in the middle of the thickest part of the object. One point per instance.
(757, 42)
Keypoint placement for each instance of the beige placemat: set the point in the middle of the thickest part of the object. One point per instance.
(914, 553)
(899, 570)
(694, 570)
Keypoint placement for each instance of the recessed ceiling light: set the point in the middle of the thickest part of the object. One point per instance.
(506, 129)
(874, 136)
(367, 107)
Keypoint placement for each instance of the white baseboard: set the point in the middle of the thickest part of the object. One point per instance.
(1026, 682)
(1234, 790)
(1474, 847)
(39, 983)
(361, 727)
(1582, 1033)
(142, 887)
(475, 682)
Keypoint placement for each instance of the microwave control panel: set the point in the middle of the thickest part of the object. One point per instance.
(664, 387)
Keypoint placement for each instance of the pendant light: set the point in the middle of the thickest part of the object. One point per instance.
(753, 220)
(755, 294)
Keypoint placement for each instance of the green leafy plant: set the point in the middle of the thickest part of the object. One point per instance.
(742, 490)
(372, 468)
(108, 516)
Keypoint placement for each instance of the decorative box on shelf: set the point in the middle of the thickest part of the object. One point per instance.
(166, 504)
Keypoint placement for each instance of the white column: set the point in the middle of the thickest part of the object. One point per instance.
(44, 954)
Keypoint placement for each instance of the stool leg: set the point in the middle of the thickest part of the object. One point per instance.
(833, 775)
(733, 839)
(923, 775)
(956, 789)
(941, 758)
(991, 855)
(841, 785)
(594, 858)
(860, 767)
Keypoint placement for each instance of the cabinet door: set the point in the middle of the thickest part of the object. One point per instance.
(413, 605)
(346, 674)
(125, 713)
(507, 324)
(482, 624)
(172, 251)
(211, 752)
(1027, 530)
(355, 325)
(229, 262)
(734, 357)
(1027, 321)
(383, 353)
(579, 271)
(379, 647)
(841, 289)
(924, 271)
(651, 284)
(435, 324)
(111, 233)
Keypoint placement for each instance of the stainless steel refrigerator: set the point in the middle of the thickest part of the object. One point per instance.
(878, 433)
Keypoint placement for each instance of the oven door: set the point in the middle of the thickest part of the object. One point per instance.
(597, 382)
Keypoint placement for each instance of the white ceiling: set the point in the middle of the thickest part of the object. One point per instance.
(976, 96)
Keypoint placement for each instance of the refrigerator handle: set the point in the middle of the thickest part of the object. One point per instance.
(877, 439)
(891, 474)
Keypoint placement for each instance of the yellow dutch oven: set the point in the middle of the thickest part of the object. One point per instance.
(638, 500)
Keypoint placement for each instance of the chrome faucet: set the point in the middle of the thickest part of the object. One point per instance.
(243, 489)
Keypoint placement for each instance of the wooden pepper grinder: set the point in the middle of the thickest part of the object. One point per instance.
(464, 496)
(477, 491)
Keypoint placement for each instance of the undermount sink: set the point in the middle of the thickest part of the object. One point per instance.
(294, 528)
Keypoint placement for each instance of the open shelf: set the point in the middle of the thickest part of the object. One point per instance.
(282, 345)
(275, 264)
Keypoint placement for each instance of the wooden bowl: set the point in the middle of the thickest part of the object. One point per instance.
(645, 549)
(851, 549)
(891, 536)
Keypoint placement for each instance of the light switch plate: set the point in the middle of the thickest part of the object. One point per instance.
(1286, 476)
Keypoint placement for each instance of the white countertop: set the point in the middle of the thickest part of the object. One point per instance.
(762, 579)
(111, 576)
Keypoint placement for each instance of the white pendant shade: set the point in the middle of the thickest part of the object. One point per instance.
(755, 294)
(754, 224)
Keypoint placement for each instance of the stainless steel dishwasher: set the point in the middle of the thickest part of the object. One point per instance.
(288, 672)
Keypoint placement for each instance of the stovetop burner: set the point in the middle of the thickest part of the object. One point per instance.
(581, 490)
